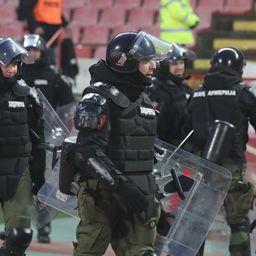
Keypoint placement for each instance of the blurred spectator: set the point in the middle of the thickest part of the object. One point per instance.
(177, 19)
(43, 17)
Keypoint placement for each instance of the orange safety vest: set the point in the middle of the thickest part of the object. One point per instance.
(48, 11)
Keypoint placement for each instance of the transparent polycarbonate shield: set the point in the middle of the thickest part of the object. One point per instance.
(55, 132)
(9, 49)
(147, 45)
(204, 187)
(66, 113)
(50, 194)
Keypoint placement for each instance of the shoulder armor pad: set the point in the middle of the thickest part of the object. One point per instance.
(98, 99)
(34, 95)
(88, 115)
(21, 88)
(111, 92)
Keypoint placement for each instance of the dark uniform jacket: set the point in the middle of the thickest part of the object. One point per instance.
(223, 96)
(170, 95)
(20, 120)
(117, 124)
(56, 88)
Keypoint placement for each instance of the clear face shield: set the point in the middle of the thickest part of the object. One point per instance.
(181, 53)
(9, 49)
(147, 46)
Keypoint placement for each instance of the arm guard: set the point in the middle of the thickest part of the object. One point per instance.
(89, 114)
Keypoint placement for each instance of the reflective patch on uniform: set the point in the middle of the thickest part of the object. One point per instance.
(40, 82)
(114, 91)
(147, 111)
(152, 224)
(21, 82)
(221, 93)
(34, 94)
(16, 104)
(215, 93)
(94, 97)
(187, 96)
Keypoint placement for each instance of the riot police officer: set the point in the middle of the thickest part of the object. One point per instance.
(56, 88)
(21, 119)
(223, 96)
(117, 126)
(170, 93)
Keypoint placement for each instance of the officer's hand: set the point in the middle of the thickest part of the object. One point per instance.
(132, 196)
(195, 25)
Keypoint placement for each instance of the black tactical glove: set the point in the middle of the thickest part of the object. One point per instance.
(132, 196)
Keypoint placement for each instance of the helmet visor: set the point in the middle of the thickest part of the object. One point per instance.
(181, 53)
(10, 49)
(34, 41)
(147, 46)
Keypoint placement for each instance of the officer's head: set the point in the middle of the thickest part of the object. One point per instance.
(12, 55)
(130, 52)
(35, 45)
(175, 64)
(229, 57)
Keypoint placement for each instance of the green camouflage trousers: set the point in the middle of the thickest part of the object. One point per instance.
(17, 210)
(104, 220)
(237, 204)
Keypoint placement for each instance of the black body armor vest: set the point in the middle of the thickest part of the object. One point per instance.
(15, 144)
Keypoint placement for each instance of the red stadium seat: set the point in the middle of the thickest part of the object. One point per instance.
(153, 30)
(14, 3)
(237, 6)
(212, 6)
(14, 30)
(100, 52)
(101, 4)
(127, 4)
(151, 4)
(205, 19)
(193, 4)
(141, 17)
(112, 17)
(83, 51)
(95, 35)
(85, 16)
(125, 28)
(73, 3)
(7, 15)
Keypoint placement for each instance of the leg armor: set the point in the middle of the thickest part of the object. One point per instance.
(17, 241)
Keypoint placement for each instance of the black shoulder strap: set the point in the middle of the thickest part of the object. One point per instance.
(110, 92)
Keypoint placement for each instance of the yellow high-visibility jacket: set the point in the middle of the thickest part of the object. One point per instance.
(176, 19)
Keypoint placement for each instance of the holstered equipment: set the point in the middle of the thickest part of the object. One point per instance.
(67, 166)
(219, 141)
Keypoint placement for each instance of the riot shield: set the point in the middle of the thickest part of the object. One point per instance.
(204, 186)
(55, 132)
(66, 114)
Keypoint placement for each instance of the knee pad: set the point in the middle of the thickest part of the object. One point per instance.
(239, 199)
(17, 241)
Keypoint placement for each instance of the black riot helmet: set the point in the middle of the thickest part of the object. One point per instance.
(11, 50)
(126, 50)
(229, 57)
(34, 41)
(178, 53)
